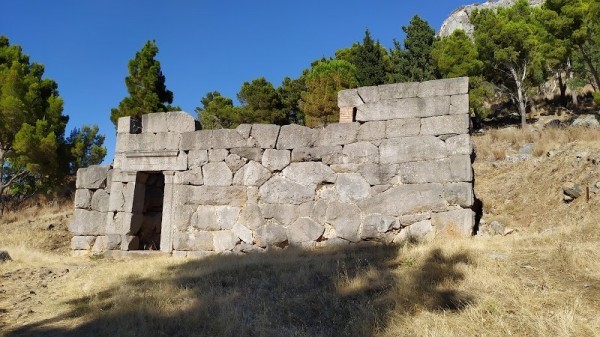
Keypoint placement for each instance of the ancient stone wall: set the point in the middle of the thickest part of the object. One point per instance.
(399, 167)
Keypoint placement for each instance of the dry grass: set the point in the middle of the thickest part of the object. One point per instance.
(543, 280)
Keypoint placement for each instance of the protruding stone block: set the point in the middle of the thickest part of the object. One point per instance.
(92, 177)
(265, 135)
(295, 136)
(243, 233)
(217, 174)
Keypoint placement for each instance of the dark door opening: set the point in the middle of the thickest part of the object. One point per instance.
(153, 187)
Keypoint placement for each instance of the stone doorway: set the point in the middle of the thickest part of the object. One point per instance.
(150, 199)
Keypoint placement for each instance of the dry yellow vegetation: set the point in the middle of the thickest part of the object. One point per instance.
(541, 280)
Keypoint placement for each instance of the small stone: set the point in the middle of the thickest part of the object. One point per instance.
(572, 190)
(4, 256)
(527, 149)
(497, 228)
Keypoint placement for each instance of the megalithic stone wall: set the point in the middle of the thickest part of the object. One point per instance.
(400, 167)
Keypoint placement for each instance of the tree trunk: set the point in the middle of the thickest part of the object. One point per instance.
(521, 100)
(562, 85)
(590, 64)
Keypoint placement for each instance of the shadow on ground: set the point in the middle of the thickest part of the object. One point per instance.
(353, 291)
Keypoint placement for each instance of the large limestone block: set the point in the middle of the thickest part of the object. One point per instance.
(403, 108)
(417, 231)
(205, 218)
(106, 243)
(252, 174)
(369, 94)
(405, 127)
(243, 233)
(227, 216)
(351, 187)
(100, 201)
(265, 135)
(224, 241)
(281, 190)
(304, 230)
(453, 169)
(249, 153)
(295, 136)
(371, 131)
(398, 90)
(251, 217)
(452, 86)
(361, 152)
(459, 104)
(459, 222)
(160, 160)
(406, 199)
(349, 98)
(197, 158)
(235, 162)
(128, 124)
(197, 140)
(190, 177)
(337, 134)
(276, 160)
(461, 144)
(82, 242)
(217, 174)
(326, 154)
(216, 155)
(285, 214)
(88, 223)
(459, 194)
(378, 174)
(147, 142)
(180, 121)
(443, 125)
(407, 149)
(375, 225)
(182, 216)
(227, 139)
(154, 123)
(271, 235)
(83, 198)
(212, 195)
(92, 177)
(199, 241)
(345, 219)
(244, 130)
(309, 174)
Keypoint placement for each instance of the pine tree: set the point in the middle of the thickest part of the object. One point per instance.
(369, 62)
(413, 62)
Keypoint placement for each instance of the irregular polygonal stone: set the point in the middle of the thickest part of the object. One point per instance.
(83, 198)
(82, 242)
(309, 174)
(216, 155)
(461, 144)
(459, 194)
(100, 201)
(378, 174)
(276, 160)
(417, 231)
(441, 125)
(459, 222)
(328, 192)
(88, 223)
(190, 177)
(452, 86)
(406, 149)
(118, 193)
(224, 241)
(319, 211)
(252, 174)
(227, 139)
(280, 190)
(295, 136)
(205, 218)
(406, 199)
(179, 121)
(361, 152)
(405, 127)
(265, 135)
(212, 195)
(337, 134)
(351, 187)
(199, 241)
(345, 168)
(182, 216)
(371, 131)
(345, 218)
(270, 235)
(243, 233)
(250, 153)
(244, 130)
(459, 104)
(398, 90)
(349, 98)
(369, 94)
(304, 230)
(217, 174)
(92, 177)
(407, 220)
(285, 214)
(376, 224)
(227, 216)
(403, 108)
(235, 162)
(106, 243)
(453, 169)
(251, 217)
(326, 154)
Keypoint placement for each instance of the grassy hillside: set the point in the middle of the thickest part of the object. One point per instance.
(541, 280)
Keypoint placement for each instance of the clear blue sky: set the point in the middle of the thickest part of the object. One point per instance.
(204, 45)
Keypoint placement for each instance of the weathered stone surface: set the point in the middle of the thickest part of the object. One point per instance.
(295, 136)
(265, 135)
(571, 190)
(100, 201)
(217, 174)
(459, 222)
(349, 98)
(586, 121)
(459, 104)
(205, 219)
(243, 233)
(407, 149)
(92, 177)
(304, 230)
(227, 216)
(118, 193)
(217, 155)
(418, 231)
(453, 86)
(337, 134)
(251, 217)
(250, 153)
(405, 127)
(441, 125)
(378, 174)
(148, 142)
(406, 199)
(227, 139)
(398, 90)
(461, 144)
(130, 242)
(190, 177)
(459, 194)
(276, 160)
(199, 241)
(403, 108)
(82, 242)
(125, 125)
(407, 220)
(327, 192)
(154, 123)
(371, 131)
(244, 130)
(327, 154)
(105, 243)
(235, 162)
(345, 219)
(361, 152)
(271, 235)
(286, 214)
(160, 160)
(252, 174)
(198, 140)
(309, 174)
(88, 223)
(175, 121)
(453, 169)
(351, 187)
(280, 190)
(369, 94)
(212, 195)
(224, 241)
(375, 225)
(83, 198)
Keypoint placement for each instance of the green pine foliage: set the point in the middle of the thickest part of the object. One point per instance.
(260, 103)
(86, 147)
(413, 62)
(369, 60)
(217, 112)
